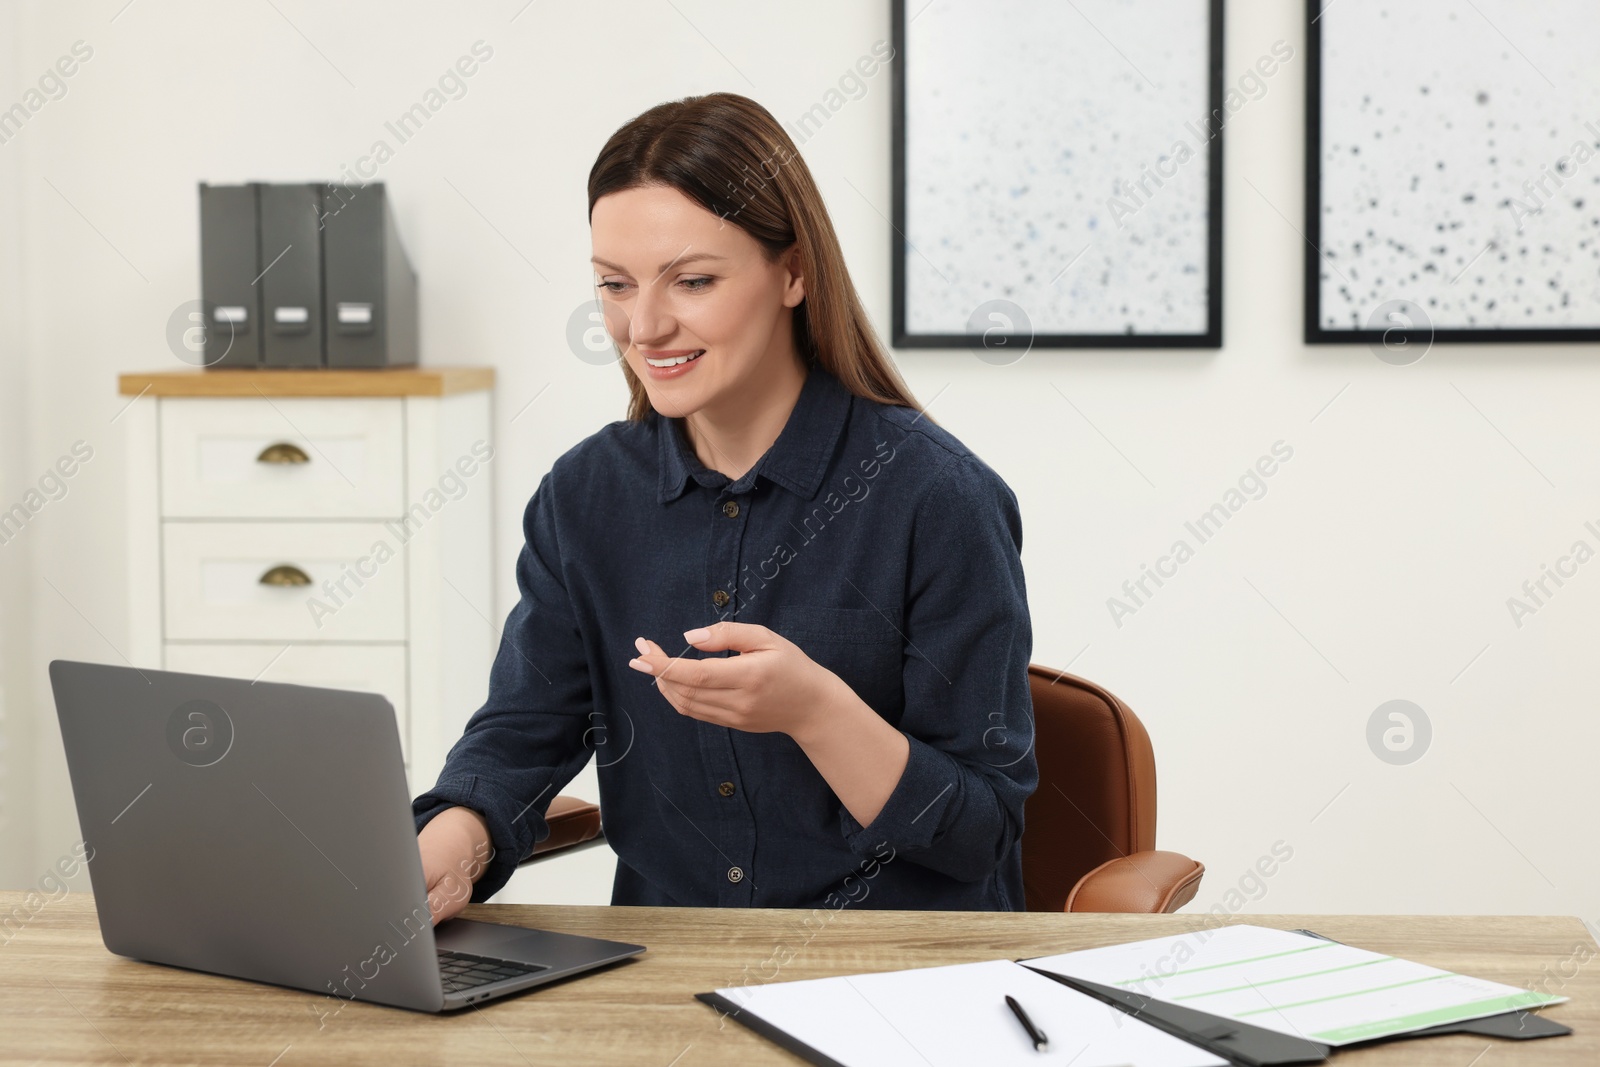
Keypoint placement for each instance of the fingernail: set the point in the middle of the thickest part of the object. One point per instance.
(640, 665)
(638, 642)
(692, 636)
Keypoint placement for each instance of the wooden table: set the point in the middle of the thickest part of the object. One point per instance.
(67, 1000)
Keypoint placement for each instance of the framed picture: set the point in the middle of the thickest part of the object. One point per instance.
(1058, 174)
(1452, 172)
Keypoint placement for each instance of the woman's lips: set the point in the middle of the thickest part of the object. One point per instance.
(676, 370)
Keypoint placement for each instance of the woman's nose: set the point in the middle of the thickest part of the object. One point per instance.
(650, 321)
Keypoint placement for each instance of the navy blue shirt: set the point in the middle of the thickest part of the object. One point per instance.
(868, 536)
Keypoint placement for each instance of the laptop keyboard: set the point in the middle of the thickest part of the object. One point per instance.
(462, 970)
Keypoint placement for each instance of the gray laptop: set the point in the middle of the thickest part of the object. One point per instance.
(264, 831)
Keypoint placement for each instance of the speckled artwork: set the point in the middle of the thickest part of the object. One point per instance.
(1460, 164)
(1057, 157)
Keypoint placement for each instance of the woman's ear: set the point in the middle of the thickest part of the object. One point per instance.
(795, 289)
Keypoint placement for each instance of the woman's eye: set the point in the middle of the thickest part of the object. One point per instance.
(693, 285)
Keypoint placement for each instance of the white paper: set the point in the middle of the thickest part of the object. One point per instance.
(1293, 984)
(957, 1016)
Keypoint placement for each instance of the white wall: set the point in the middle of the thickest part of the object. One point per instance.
(18, 811)
(1376, 567)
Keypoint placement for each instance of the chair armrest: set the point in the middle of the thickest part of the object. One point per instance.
(1142, 883)
(574, 823)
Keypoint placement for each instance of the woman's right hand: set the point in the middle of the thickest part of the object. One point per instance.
(455, 851)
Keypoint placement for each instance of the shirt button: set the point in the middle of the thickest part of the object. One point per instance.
(735, 874)
(719, 598)
(731, 509)
(726, 789)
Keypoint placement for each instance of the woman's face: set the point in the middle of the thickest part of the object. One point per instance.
(675, 279)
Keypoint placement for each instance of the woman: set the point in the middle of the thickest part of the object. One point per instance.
(845, 716)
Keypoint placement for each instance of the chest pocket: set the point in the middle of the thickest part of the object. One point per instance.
(863, 646)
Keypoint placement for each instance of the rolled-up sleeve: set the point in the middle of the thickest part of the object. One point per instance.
(968, 714)
(528, 739)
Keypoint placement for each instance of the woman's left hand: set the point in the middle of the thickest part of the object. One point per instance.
(771, 685)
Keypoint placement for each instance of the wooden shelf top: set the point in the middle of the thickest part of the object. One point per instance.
(241, 381)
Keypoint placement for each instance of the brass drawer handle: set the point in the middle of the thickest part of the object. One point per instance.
(282, 452)
(286, 574)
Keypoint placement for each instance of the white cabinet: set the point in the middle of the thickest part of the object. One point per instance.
(326, 528)
(342, 458)
(282, 581)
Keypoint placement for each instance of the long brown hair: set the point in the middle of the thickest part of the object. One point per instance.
(728, 154)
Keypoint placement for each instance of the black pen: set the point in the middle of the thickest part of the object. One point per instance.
(1039, 1040)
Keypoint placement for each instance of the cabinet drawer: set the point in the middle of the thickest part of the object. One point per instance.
(367, 668)
(354, 582)
(285, 457)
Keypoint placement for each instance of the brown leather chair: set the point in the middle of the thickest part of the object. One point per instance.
(1090, 828)
(574, 825)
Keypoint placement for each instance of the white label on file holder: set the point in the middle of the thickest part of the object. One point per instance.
(355, 314)
(229, 313)
(291, 315)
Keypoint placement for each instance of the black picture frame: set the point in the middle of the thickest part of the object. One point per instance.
(1211, 337)
(1397, 335)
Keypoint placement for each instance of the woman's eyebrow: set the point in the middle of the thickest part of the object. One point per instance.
(696, 257)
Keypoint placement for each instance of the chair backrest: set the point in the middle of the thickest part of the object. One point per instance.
(1096, 799)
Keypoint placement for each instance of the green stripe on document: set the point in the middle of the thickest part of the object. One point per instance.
(1341, 996)
(1230, 963)
(1420, 1020)
(1275, 981)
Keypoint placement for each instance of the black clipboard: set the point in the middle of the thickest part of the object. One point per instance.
(1516, 1025)
(1252, 1046)
(1238, 1043)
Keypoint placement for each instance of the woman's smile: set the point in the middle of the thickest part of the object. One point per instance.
(672, 363)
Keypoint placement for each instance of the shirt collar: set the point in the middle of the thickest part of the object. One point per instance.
(796, 460)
